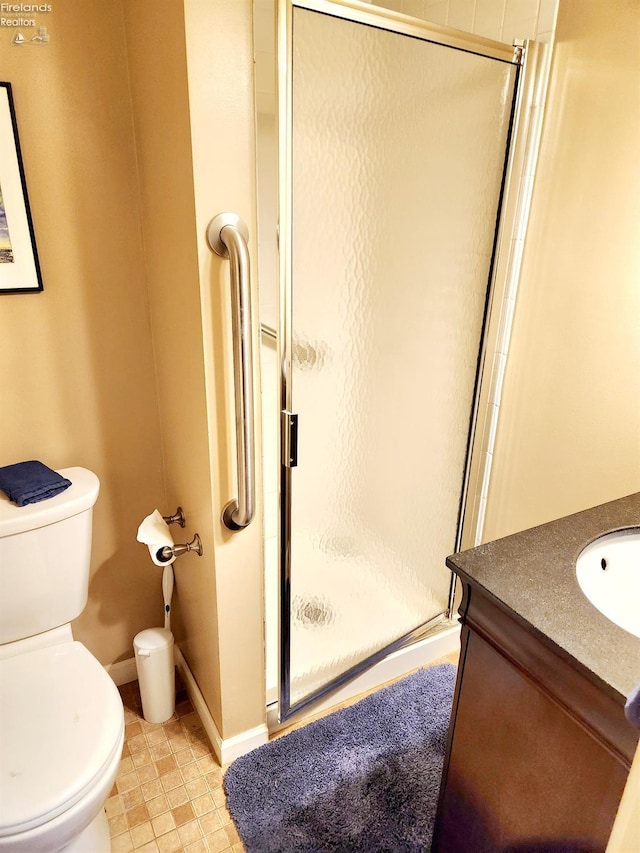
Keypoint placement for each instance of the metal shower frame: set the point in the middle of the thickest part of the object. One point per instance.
(524, 57)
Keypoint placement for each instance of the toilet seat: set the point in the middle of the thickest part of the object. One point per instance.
(66, 725)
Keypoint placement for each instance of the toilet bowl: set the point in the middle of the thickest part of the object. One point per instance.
(61, 715)
(58, 765)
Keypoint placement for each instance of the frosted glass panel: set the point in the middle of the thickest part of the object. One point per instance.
(398, 149)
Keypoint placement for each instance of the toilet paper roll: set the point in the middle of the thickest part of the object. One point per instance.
(155, 534)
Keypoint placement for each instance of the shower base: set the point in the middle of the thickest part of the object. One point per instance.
(444, 642)
(339, 592)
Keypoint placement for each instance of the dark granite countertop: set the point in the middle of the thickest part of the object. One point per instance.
(533, 574)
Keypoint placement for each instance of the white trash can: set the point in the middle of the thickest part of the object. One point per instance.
(156, 673)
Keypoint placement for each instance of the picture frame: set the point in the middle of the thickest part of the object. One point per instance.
(19, 265)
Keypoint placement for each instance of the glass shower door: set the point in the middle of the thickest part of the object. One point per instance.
(393, 151)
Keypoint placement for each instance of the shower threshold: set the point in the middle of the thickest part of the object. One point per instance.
(443, 642)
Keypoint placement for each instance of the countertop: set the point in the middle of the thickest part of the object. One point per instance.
(533, 574)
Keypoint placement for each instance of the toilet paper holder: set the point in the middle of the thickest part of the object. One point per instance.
(176, 518)
(170, 551)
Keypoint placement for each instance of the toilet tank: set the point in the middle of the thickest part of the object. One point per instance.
(45, 552)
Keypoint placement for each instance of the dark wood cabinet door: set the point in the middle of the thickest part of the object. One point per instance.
(522, 775)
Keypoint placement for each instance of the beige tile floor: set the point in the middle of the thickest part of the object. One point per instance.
(168, 794)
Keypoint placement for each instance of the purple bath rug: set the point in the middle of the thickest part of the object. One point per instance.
(365, 778)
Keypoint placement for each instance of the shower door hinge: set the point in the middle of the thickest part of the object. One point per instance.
(518, 51)
(289, 426)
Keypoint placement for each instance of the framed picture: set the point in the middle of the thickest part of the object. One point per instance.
(19, 267)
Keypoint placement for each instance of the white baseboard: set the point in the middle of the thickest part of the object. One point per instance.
(421, 653)
(226, 749)
(123, 672)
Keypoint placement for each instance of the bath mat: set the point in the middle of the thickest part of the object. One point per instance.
(364, 778)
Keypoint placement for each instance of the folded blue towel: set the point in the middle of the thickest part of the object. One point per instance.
(632, 708)
(29, 482)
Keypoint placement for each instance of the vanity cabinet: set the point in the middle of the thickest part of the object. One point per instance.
(539, 748)
(537, 755)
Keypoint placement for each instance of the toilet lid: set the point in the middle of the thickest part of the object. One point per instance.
(61, 720)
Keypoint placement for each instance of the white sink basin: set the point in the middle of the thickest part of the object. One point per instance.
(608, 571)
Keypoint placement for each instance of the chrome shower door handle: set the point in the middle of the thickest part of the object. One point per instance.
(227, 236)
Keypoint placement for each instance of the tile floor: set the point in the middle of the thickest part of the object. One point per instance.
(168, 794)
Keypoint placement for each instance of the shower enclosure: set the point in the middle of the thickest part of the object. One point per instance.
(393, 139)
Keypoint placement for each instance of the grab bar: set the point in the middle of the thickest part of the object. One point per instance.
(227, 236)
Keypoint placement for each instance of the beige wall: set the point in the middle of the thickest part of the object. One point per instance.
(161, 118)
(220, 71)
(569, 429)
(77, 384)
(136, 124)
(194, 122)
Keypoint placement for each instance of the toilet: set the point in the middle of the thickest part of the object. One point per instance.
(61, 716)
